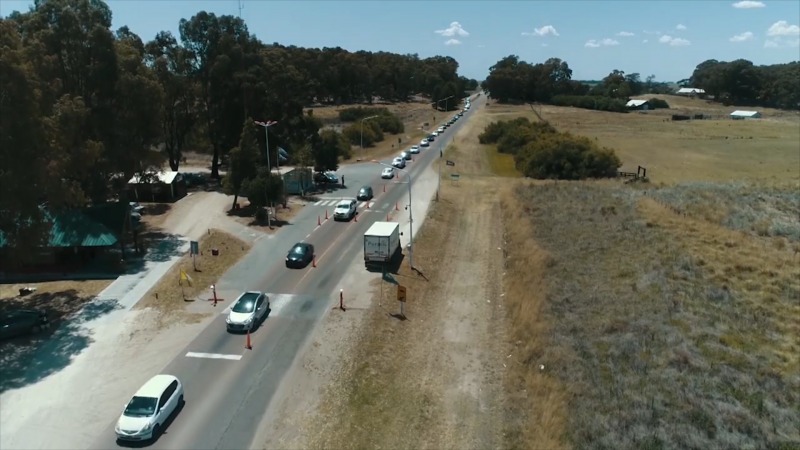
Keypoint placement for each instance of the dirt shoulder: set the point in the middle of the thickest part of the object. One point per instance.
(435, 380)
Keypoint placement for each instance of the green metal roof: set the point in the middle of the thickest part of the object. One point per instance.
(76, 229)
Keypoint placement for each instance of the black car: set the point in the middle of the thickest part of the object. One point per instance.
(300, 255)
(22, 321)
(431, 138)
(326, 178)
(365, 193)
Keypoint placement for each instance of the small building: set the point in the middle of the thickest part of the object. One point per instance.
(298, 181)
(78, 239)
(163, 186)
(642, 105)
(691, 92)
(741, 115)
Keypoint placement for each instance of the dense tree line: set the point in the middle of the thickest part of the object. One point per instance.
(737, 82)
(742, 83)
(542, 152)
(83, 106)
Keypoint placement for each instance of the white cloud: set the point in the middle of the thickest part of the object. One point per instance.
(781, 42)
(746, 36)
(651, 32)
(748, 4)
(644, 41)
(625, 34)
(455, 29)
(452, 42)
(673, 41)
(547, 30)
(544, 45)
(770, 44)
(607, 42)
(782, 28)
(680, 27)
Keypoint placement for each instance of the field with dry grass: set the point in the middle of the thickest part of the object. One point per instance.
(171, 296)
(719, 149)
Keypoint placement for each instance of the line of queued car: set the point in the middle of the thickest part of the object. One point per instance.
(161, 397)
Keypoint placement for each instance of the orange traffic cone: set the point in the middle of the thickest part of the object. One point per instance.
(355, 217)
(326, 213)
(247, 345)
(396, 208)
(314, 262)
(384, 188)
(319, 221)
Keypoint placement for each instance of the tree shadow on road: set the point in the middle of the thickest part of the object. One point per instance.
(29, 359)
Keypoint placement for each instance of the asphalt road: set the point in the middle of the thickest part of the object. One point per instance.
(227, 398)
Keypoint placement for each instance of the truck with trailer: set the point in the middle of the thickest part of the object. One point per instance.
(381, 242)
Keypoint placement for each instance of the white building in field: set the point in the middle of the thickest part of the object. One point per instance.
(740, 115)
(642, 105)
(691, 92)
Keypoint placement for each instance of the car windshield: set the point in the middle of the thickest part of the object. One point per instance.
(298, 250)
(245, 304)
(141, 407)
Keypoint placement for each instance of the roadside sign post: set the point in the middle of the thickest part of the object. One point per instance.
(194, 249)
(401, 297)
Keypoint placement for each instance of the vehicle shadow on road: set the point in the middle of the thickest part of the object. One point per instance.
(29, 359)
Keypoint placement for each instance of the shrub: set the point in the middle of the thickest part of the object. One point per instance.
(595, 102)
(657, 103)
(389, 123)
(540, 151)
(371, 133)
(261, 215)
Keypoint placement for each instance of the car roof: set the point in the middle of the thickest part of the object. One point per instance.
(345, 202)
(366, 187)
(155, 386)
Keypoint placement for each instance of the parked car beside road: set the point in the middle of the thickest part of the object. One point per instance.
(21, 322)
(387, 173)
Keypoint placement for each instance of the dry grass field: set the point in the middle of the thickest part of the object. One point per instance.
(660, 315)
(767, 150)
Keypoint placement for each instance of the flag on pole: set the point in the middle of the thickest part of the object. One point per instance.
(283, 155)
(185, 277)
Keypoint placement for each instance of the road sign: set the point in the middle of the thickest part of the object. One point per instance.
(455, 176)
(450, 163)
(194, 248)
(401, 293)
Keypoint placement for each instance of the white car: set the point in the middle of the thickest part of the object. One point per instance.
(424, 143)
(149, 409)
(388, 172)
(345, 210)
(414, 149)
(398, 162)
(440, 130)
(249, 309)
(405, 155)
(435, 133)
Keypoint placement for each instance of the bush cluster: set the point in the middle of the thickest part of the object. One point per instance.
(596, 102)
(373, 129)
(540, 151)
(657, 103)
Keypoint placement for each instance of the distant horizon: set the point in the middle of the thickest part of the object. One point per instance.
(650, 38)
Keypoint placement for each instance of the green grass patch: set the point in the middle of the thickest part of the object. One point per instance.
(502, 164)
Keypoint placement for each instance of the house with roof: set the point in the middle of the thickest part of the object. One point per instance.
(741, 115)
(691, 92)
(641, 105)
(77, 238)
(162, 186)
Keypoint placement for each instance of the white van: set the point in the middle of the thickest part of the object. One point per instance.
(149, 409)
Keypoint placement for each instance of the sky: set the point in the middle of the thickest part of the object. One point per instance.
(665, 39)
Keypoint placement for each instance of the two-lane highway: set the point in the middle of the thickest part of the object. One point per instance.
(227, 387)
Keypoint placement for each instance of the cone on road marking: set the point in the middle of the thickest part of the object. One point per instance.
(355, 217)
(384, 188)
(247, 345)
(314, 261)
(326, 213)
(396, 208)
(319, 221)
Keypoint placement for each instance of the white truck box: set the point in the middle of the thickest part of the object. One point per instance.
(381, 242)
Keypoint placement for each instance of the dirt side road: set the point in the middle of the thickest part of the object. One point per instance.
(436, 379)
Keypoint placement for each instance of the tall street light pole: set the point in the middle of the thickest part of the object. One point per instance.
(266, 126)
(362, 130)
(410, 215)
